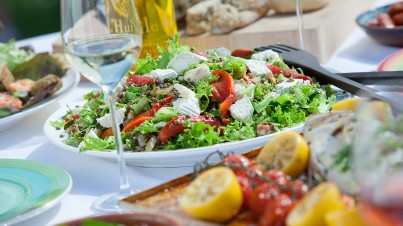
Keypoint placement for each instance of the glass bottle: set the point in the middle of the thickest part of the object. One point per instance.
(159, 24)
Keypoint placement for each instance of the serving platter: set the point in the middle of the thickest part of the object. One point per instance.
(28, 188)
(164, 158)
(70, 80)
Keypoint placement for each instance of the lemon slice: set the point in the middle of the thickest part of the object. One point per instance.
(214, 196)
(311, 210)
(344, 217)
(287, 151)
(349, 104)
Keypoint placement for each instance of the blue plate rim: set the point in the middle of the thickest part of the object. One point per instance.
(29, 213)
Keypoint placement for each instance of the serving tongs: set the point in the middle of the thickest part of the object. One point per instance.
(309, 63)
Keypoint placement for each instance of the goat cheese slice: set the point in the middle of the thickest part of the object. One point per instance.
(183, 60)
(268, 56)
(106, 120)
(162, 74)
(257, 67)
(187, 104)
(197, 74)
(242, 109)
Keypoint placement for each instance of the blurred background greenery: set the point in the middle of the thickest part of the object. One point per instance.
(27, 18)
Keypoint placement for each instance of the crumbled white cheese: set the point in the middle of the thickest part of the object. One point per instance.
(242, 109)
(257, 67)
(184, 91)
(197, 74)
(162, 74)
(183, 60)
(268, 56)
(242, 89)
(284, 87)
(121, 86)
(187, 106)
(106, 120)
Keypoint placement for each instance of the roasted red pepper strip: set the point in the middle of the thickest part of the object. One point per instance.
(224, 106)
(243, 53)
(176, 126)
(288, 73)
(136, 122)
(106, 133)
(150, 113)
(162, 103)
(223, 91)
(139, 80)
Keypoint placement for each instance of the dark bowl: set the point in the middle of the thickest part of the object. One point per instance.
(387, 36)
(140, 218)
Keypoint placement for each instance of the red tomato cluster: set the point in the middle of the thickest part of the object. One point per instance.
(269, 195)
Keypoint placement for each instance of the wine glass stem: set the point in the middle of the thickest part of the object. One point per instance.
(298, 11)
(124, 187)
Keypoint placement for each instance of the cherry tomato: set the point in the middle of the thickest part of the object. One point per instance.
(277, 176)
(260, 196)
(276, 211)
(139, 80)
(237, 159)
(297, 189)
(247, 190)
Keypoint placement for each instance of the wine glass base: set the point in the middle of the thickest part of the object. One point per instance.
(109, 203)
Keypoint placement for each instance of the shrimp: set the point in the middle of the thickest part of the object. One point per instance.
(10, 101)
(20, 85)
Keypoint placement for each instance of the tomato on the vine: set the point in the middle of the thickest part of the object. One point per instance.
(276, 210)
(235, 159)
(260, 196)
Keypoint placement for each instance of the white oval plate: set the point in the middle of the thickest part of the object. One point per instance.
(167, 158)
(69, 81)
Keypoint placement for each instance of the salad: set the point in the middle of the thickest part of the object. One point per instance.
(27, 78)
(186, 99)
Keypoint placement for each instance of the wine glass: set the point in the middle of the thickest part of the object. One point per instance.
(102, 39)
(300, 23)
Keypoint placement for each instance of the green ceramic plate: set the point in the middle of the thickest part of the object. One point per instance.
(28, 188)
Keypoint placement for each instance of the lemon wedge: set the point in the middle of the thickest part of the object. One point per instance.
(213, 196)
(349, 104)
(344, 217)
(288, 151)
(313, 207)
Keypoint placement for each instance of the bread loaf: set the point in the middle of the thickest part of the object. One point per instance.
(223, 18)
(288, 6)
(196, 17)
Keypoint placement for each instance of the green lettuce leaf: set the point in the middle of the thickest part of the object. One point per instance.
(97, 144)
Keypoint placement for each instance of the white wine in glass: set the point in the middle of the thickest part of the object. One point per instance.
(300, 23)
(102, 39)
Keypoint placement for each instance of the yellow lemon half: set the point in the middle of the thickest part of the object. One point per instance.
(287, 151)
(313, 207)
(213, 196)
(344, 217)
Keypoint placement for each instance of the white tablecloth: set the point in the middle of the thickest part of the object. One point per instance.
(93, 177)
